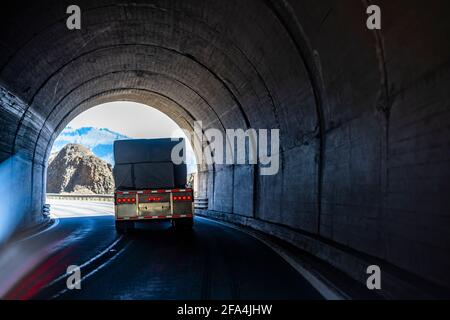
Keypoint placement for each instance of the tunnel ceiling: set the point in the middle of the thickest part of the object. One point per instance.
(183, 57)
(230, 64)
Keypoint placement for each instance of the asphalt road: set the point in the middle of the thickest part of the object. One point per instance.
(154, 262)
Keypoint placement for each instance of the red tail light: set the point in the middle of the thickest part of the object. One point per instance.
(154, 199)
(125, 200)
(182, 198)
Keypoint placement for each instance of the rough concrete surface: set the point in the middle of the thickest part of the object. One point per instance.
(363, 115)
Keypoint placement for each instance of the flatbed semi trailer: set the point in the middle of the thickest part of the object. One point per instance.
(149, 187)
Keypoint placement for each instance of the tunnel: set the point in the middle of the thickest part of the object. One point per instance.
(364, 115)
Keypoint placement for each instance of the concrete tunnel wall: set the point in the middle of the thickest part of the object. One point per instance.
(363, 115)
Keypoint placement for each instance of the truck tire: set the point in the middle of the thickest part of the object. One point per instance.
(183, 224)
(119, 227)
(124, 226)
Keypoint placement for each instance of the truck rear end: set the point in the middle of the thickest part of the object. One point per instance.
(149, 187)
(176, 205)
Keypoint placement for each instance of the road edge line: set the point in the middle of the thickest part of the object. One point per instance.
(324, 287)
(50, 227)
(91, 260)
(104, 264)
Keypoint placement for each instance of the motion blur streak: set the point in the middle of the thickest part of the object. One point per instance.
(36, 280)
(13, 203)
(80, 231)
(19, 260)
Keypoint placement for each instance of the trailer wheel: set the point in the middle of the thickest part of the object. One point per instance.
(123, 226)
(119, 228)
(183, 224)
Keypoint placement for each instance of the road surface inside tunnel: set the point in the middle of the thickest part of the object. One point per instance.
(154, 262)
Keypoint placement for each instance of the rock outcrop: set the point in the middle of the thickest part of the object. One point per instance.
(75, 169)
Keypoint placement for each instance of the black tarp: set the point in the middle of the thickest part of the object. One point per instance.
(123, 176)
(147, 165)
(180, 175)
(144, 150)
(144, 176)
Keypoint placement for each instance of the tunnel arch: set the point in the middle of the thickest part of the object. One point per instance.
(354, 108)
(143, 97)
(137, 96)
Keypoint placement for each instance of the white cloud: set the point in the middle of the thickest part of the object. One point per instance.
(103, 124)
(132, 119)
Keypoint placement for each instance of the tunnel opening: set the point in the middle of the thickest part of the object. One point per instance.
(81, 159)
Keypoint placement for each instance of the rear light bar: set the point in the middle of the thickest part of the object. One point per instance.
(144, 196)
(182, 198)
(170, 216)
(154, 199)
(126, 200)
(153, 191)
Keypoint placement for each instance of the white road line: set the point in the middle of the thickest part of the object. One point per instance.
(87, 262)
(328, 291)
(95, 270)
(54, 224)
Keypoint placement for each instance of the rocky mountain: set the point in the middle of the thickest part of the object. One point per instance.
(52, 157)
(99, 140)
(75, 169)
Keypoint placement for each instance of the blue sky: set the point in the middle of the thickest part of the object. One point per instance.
(99, 126)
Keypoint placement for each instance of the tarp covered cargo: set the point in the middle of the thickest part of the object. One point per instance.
(148, 165)
(144, 176)
(180, 175)
(123, 176)
(144, 150)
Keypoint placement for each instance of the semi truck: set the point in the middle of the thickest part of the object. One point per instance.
(149, 187)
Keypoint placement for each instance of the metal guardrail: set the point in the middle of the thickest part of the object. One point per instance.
(46, 210)
(201, 203)
(81, 197)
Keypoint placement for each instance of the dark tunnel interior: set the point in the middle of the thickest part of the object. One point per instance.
(364, 115)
